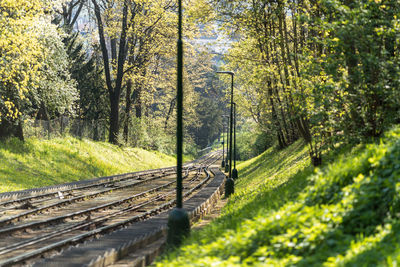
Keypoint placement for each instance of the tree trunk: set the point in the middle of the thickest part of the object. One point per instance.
(171, 108)
(113, 91)
(11, 129)
(128, 109)
(114, 119)
(138, 102)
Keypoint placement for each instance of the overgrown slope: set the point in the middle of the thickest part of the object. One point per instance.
(344, 214)
(37, 163)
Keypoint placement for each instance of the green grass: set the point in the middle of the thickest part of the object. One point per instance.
(284, 213)
(38, 163)
(266, 182)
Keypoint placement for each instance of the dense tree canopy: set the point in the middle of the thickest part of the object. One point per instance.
(33, 64)
(326, 71)
(108, 60)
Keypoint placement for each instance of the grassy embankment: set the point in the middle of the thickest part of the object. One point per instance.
(347, 213)
(38, 163)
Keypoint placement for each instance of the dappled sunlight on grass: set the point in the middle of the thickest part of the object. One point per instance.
(286, 213)
(265, 183)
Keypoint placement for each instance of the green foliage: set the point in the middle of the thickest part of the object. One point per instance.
(345, 214)
(20, 51)
(251, 141)
(37, 163)
(210, 118)
(356, 74)
(34, 64)
(327, 71)
(56, 89)
(85, 70)
(267, 182)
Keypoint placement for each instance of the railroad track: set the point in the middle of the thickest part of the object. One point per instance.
(38, 226)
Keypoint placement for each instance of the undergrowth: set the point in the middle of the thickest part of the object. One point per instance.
(37, 163)
(285, 214)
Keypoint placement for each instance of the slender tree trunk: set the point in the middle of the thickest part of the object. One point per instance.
(280, 142)
(128, 101)
(114, 119)
(287, 59)
(282, 112)
(264, 48)
(113, 91)
(171, 108)
(138, 101)
(352, 62)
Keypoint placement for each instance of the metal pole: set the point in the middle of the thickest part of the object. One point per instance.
(178, 219)
(234, 171)
(179, 112)
(223, 145)
(230, 184)
(230, 130)
(234, 136)
(227, 146)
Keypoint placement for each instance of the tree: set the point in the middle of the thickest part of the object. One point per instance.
(149, 41)
(70, 11)
(326, 71)
(32, 64)
(86, 71)
(114, 67)
(56, 89)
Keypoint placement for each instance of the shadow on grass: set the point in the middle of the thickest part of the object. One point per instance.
(337, 242)
(267, 159)
(16, 146)
(268, 196)
(263, 201)
(380, 251)
(272, 198)
(368, 210)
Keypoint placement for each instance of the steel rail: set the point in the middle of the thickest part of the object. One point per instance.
(29, 198)
(82, 212)
(164, 171)
(93, 221)
(101, 230)
(76, 199)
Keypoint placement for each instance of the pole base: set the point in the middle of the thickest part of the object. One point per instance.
(229, 187)
(226, 167)
(234, 173)
(223, 164)
(178, 226)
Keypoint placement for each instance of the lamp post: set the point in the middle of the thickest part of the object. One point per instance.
(227, 144)
(234, 171)
(178, 219)
(229, 185)
(223, 147)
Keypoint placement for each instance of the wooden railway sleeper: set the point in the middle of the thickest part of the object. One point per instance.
(106, 183)
(74, 185)
(156, 210)
(96, 232)
(69, 201)
(84, 212)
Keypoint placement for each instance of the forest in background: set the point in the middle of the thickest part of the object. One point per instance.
(326, 71)
(111, 61)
